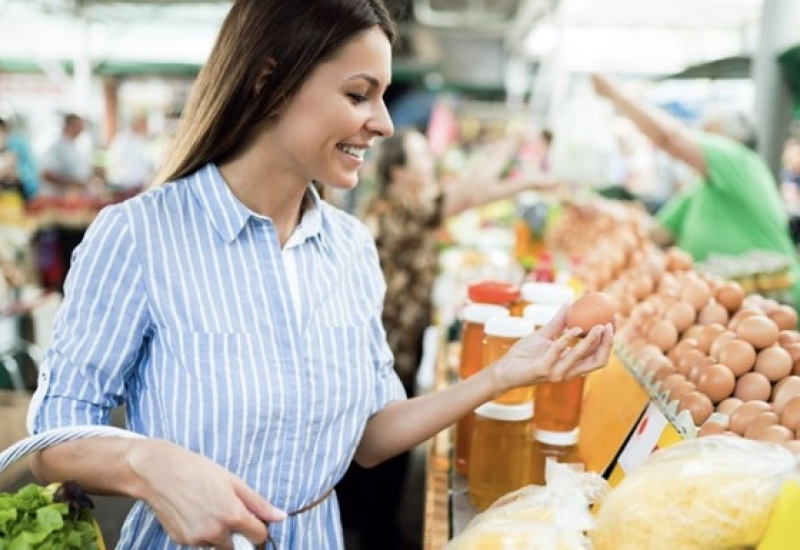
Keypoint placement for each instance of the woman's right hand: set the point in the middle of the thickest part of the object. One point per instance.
(197, 502)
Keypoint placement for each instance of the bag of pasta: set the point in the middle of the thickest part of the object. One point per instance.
(711, 493)
(551, 517)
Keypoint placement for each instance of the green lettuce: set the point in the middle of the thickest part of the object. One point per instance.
(57, 517)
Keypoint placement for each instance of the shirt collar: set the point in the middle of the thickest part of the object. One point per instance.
(229, 216)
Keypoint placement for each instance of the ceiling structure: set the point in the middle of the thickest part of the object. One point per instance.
(655, 37)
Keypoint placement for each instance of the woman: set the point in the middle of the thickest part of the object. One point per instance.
(409, 207)
(238, 316)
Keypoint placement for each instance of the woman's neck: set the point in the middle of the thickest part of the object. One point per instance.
(266, 191)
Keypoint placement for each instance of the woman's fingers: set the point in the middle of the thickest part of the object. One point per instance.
(556, 325)
(573, 355)
(599, 357)
(595, 358)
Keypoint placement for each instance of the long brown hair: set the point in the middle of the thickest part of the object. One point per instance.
(285, 39)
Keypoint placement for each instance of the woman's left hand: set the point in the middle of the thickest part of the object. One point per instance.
(552, 354)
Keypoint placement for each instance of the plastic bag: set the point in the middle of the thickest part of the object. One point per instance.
(551, 517)
(584, 148)
(711, 493)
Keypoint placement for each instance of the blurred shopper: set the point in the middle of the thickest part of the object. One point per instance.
(64, 166)
(404, 215)
(66, 176)
(129, 160)
(10, 179)
(790, 174)
(736, 206)
(17, 157)
(237, 315)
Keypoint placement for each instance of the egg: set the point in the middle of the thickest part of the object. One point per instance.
(790, 416)
(678, 260)
(727, 406)
(787, 337)
(663, 334)
(712, 312)
(681, 314)
(593, 308)
(759, 422)
(696, 293)
(784, 316)
(687, 361)
(707, 335)
(698, 405)
(744, 414)
(716, 345)
(776, 434)
(717, 382)
(680, 390)
(759, 330)
(697, 370)
(738, 355)
(753, 386)
(794, 352)
(774, 362)
(682, 346)
(784, 391)
(671, 382)
(730, 295)
(710, 428)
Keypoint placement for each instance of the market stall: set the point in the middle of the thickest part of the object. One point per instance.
(699, 396)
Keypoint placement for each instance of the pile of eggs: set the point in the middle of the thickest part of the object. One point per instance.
(732, 361)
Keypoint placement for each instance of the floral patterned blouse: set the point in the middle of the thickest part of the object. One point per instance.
(404, 231)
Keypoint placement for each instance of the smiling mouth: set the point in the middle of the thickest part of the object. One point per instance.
(355, 152)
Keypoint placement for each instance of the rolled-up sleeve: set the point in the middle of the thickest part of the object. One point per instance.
(99, 332)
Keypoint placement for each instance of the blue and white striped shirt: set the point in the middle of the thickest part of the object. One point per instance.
(180, 304)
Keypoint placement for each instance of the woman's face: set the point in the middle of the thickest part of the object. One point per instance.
(337, 113)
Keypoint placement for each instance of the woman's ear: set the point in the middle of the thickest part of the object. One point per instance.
(263, 77)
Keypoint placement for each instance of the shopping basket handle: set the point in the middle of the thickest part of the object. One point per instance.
(62, 435)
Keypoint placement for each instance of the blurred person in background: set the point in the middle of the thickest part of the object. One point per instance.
(129, 161)
(790, 174)
(237, 315)
(9, 170)
(17, 158)
(64, 166)
(735, 206)
(404, 215)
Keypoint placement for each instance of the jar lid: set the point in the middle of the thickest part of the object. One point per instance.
(558, 438)
(509, 413)
(547, 293)
(480, 313)
(508, 327)
(540, 314)
(489, 291)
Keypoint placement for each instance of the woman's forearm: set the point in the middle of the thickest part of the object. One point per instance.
(99, 465)
(404, 424)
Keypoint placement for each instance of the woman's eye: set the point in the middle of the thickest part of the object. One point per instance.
(357, 98)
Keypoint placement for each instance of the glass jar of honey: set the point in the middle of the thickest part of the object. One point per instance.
(490, 291)
(559, 446)
(499, 335)
(558, 404)
(500, 458)
(473, 318)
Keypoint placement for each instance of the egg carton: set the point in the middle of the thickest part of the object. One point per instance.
(680, 420)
